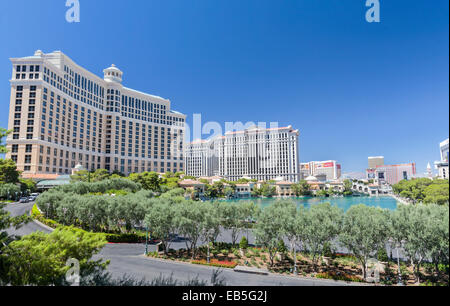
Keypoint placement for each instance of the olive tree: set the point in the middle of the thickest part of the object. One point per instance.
(294, 228)
(365, 231)
(161, 219)
(420, 230)
(270, 227)
(321, 225)
(438, 244)
(210, 225)
(189, 216)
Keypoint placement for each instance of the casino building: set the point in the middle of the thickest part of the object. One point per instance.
(255, 153)
(62, 115)
(330, 169)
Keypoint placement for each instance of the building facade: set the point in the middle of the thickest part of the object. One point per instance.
(442, 165)
(375, 161)
(330, 168)
(62, 115)
(255, 153)
(391, 174)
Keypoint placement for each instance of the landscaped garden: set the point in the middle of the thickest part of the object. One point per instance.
(288, 238)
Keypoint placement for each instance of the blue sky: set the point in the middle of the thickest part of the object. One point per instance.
(353, 89)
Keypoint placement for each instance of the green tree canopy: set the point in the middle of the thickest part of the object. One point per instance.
(3, 134)
(148, 180)
(322, 223)
(40, 259)
(8, 172)
(365, 231)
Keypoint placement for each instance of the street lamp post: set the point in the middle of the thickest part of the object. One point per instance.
(400, 283)
(146, 243)
(295, 261)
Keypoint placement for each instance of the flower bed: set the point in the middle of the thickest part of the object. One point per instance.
(216, 263)
(340, 277)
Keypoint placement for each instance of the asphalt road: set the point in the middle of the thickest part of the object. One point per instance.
(23, 209)
(128, 259)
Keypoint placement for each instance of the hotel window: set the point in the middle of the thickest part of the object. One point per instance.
(14, 158)
(28, 148)
(15, 148)
(27, 159)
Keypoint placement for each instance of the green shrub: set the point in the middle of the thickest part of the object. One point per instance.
(339, 276)
(244, 243)
(327, 252)
(281, 247)
(125, 238)
(382, 255)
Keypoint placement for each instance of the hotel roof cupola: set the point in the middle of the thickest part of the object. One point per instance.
(113, 74)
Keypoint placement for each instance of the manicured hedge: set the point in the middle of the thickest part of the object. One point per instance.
(126, 238)
(112, 238)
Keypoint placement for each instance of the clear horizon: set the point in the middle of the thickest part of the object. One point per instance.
(353, 89)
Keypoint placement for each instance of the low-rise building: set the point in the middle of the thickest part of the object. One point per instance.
(192, 185)
(244, 190)
(284, 188)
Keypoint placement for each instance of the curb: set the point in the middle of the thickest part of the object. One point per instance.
(248, 270)
(40, 223)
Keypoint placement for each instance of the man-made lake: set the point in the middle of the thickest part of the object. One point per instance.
(345, 203)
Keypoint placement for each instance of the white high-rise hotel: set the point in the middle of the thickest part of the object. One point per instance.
(61, 115)
(256, 153)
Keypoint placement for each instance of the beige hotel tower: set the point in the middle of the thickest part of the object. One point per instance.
(62, 115)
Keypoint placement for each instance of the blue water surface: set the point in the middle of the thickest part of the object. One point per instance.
(344, 203)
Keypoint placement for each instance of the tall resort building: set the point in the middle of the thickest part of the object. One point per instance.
(442, 165)
(255, 153)
(62, 115)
